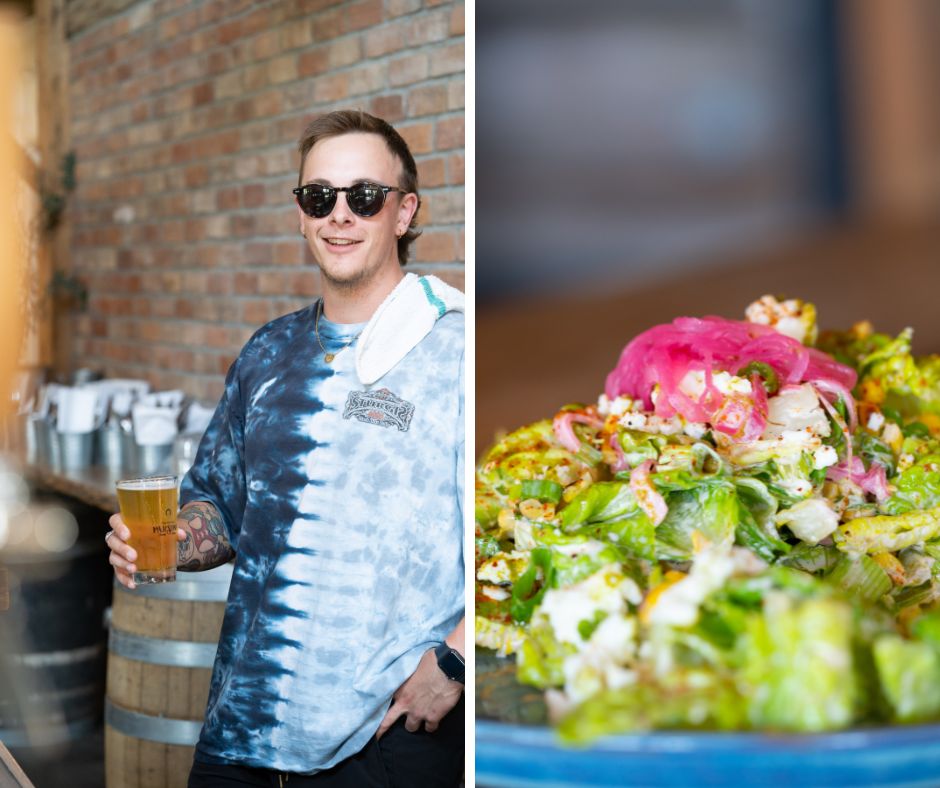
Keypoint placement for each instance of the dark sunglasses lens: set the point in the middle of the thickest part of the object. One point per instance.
(317, 201)
(365, 199)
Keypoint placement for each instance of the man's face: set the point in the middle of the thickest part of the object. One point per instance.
(351, 249)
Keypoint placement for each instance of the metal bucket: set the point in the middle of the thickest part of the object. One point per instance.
(116, 449)
(76, 450)
(46, 442)
(153, 459)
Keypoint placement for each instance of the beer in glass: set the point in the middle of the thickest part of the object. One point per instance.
(148, 507)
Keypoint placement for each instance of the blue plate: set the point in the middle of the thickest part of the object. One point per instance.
(518, 756)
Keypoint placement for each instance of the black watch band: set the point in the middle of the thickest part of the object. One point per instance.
(450, 662)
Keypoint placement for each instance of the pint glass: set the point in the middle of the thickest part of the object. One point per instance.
(148, 507)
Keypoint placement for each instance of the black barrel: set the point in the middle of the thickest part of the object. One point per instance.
(53, 643)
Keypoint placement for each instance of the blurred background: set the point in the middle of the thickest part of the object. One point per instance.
(643, 159)
(147, 151)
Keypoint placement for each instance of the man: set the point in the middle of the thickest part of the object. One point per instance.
(332, 473)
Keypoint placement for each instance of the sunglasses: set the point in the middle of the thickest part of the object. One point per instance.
(364, 199)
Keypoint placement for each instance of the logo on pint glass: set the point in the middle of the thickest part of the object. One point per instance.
(379, 407)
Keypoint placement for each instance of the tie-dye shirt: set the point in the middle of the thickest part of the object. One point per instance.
(343, 504)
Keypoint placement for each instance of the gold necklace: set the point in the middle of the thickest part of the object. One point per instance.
(328, 357)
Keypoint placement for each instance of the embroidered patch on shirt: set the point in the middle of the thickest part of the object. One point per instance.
(379, 407)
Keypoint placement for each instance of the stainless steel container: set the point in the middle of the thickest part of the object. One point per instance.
(76, 450)
(113, 443)
(153, 458)
(46, 443)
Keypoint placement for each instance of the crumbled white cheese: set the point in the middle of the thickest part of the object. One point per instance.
(678, 605)
(602, 663)
(607, 591)
(503, 567)
(787, 317)
(876, 421)
(495, 592)
(693, 384)
(617, 406)
(825, 456)
(655, 425)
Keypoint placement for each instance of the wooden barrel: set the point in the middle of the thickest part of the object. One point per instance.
(161, 647)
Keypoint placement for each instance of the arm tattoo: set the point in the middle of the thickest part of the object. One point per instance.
(206, 546)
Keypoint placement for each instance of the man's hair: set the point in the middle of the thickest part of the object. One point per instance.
(349, 121)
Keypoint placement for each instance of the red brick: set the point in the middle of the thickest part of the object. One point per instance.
(228, 199)
(252, 195)
(454, 276)
(456, 94)
(331, 88)
(257, 313)
(272, 283)
(418, 136)
(427, 100)
(195, 282)
(282, 69)
(266, 45)
(427, 28)
(447, 60)
(228, 85)
(435, 247)
(401, 7)
(313, 62)
(219, 61)
(367, 79)
(431, 173)
(218, 336)
(297, 33)
(360, 15)
(455, 169)
(444, 207)
(255, 77)
(383, 40)
(289, 252)
(304, 283)
(408, 69)
(328, 25)
(457, 20)
(345, 52)
(449, 133)
(220, 283)
(246, 283)
(388, 106)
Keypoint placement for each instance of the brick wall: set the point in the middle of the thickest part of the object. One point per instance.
(185, 118)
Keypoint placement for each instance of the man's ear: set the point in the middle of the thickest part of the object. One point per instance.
(406, 211)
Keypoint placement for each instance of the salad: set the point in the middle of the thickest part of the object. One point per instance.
(743, 532)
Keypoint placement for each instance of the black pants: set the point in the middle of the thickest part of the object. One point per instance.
(399, 760)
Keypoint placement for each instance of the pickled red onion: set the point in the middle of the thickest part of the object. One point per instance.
(564, 431)
(665, 354)
(621, 463)
(874, 480)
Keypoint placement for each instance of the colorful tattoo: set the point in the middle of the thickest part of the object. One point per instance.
(206, 545)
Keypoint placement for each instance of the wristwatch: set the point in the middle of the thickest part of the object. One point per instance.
(450, 662)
